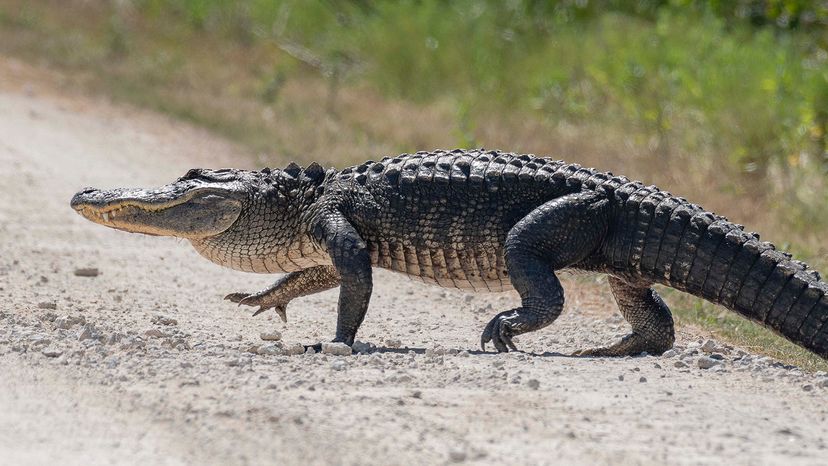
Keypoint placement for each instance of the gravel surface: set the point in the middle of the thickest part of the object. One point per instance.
(118, 348)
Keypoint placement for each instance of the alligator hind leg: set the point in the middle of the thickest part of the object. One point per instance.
(649, 317)
(555, 235)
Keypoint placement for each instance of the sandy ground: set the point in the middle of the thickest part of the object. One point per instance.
(89, 375)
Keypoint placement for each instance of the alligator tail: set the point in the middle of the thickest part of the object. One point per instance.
(705, 255)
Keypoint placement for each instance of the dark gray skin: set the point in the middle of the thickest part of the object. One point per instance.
(484, 221)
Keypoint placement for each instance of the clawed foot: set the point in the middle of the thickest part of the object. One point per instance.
(500, 331)
(258, 300)
(631, 345)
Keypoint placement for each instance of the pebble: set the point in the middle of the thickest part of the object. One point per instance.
(457, 456)
(709, 346)
(642, 379)
(87, 272)
(67, 322)
(271, 350)
(271, 336)
(337, 349)
(670, 353)
(294, 349)
(163, 320)
(363, 347)
(51, 352)
(154, 333)
(339, 364)
(50, 305)
(114, 338)
(680, 364)
(705, 362)
(807, 387)
(393, 343)
(534, 384)
(435, 351)
(87, 333)
(822, 382)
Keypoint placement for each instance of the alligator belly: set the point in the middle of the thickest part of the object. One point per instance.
(477, 269)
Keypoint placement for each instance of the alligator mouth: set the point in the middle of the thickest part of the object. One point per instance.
(193, 213)
(119, 207)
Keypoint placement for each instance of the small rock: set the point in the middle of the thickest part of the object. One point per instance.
(463, 354)
(87, 333)
(272, 349)
(709, 346)
(822, 382)
(621, 377)
(457, 456)
(163, 320)
(87, 272)
(393, 343)
(337, 349)
(363, 347)
(310, 350)
(435, 351)
(680, 364)
(240, 362)
(67, 322)
(154, 333)
(294, 349)
(271, 336)
(51, 352)
(706, 362)
(670, 353)
(642, 379)
(338, 364)
(807, 387)
(114, 338)
(534, 384)
(50, 305)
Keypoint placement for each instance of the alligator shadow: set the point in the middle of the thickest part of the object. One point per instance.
(415, 350)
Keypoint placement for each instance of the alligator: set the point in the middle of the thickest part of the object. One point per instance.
(475, 220)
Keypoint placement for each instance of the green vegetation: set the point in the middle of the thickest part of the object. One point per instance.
(724, 102)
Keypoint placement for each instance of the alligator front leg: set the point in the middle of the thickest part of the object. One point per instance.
(291, 286)
(350, 257)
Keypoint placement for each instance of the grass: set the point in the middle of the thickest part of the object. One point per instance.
(688, 97)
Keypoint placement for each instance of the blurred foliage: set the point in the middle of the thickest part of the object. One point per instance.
(749, 76)
(743, 81)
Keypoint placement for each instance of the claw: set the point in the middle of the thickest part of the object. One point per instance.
(235, 297)
(282, 311)
(499, 331)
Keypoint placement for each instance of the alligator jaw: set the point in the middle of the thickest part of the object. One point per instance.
(168, 211)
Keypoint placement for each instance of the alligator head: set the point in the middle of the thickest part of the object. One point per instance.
(228, 210)
(200, 204)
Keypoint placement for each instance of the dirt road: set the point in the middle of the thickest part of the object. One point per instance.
(90, 374)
